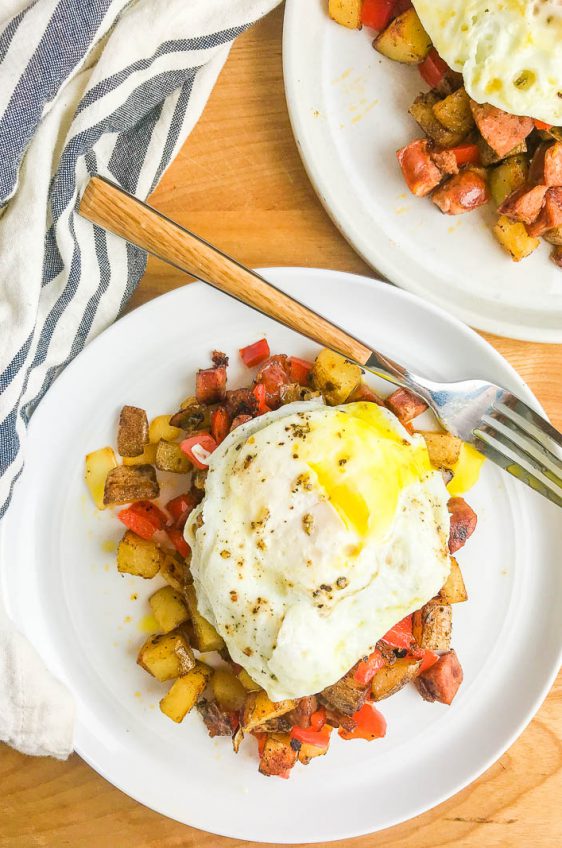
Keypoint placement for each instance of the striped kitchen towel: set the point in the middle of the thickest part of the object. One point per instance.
(110, 87)
(86, 86)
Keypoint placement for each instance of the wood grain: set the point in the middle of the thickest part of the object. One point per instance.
(239, 182)
(109, 206)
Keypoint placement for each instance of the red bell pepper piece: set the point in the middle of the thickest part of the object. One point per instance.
(273, 374)
(259, 392)
(318, 738)
(262, 739)
(255, 353)
(466, 154)
(366, 669)
(377, 13)
(180, 507)
(318, 719)
(371, 724)
(176, 538)
(299, 369)
(427, 657)
(220, 424)
(400, 636)
(198, 449)
(540, 125)
(143, 518)
(433, 68)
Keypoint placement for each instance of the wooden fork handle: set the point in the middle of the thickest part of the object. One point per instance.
(111, 207)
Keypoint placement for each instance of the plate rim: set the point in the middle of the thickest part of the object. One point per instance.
(276, 274)
(301, 121)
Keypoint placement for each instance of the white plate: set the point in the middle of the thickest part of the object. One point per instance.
(63, 590)
(349, 111)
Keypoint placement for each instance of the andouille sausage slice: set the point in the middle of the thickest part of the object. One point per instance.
(465, 191)
(524, 204)
(550, 215)
(441, 682)
(499, 129)
(420, 172)
(546, 165)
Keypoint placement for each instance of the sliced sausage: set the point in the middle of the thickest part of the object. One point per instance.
(441, 682)
(405, 405)
(463, 523)
(524, 204)
(217, 722)
(273, 374)
(550, 215)
(420, 172)
(499, 129)
(445, 160)
(462, 193)
(546, 165)
(240, 402)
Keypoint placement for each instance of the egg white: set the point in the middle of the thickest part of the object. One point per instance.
(296, 578)
(509, 51)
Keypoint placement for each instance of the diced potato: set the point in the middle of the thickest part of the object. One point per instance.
(422, 111)
(443, 448)
(174, 571)
(514, 238)
(168, 608)
(247, 681)
(346, 12)
(125, 484)
(335, 376)
(147, 457)
(391, 678)
(278, 754)
(166, 656)
(185, 692)
(132, 434)
(432, 626)
(227, 689)
(404, 40)
(160, 428)
(308, 752)
(141, 557)
(258, 709)
(169, 457)
(98, 465)
(554, 236)
(192, 416)
(206, 637)
(454, 112)
(510, 175)
(453, 590)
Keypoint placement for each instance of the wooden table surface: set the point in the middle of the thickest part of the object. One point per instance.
(240, 183)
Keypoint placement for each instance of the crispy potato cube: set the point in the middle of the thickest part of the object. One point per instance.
(432, 626)
(169, 457)
(453, 590)
(98, 465)
(247, 681)
(335, 376)
(174, 571)
(554, 236)
(227, 689)
(125, 484)
(132, 434)
(192, 416)
(166, 656)
(507, 177)
(346, 12)
(514, 238)
(422, 111)
(404, 40)
(278, 755)
(147, 457)
(206, 637)
(168, 608)
(391, 678)
(308, 752)
(454, 112)
(185, 692)
(443, 448)
(258, 710)
(160, 428)
(141, 557)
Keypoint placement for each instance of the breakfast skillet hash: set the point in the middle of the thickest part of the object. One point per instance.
(311, 550)
(492, 119)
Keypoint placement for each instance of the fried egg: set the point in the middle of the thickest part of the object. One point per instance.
(507, 50)
(321, 527)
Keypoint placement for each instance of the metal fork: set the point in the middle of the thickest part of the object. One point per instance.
(494, 420)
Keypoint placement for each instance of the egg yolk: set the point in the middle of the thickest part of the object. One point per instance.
(466, 470)
(363, 464)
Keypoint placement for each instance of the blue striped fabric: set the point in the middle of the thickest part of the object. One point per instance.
(110, 87)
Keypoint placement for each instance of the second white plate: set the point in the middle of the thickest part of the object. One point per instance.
(349, 111)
